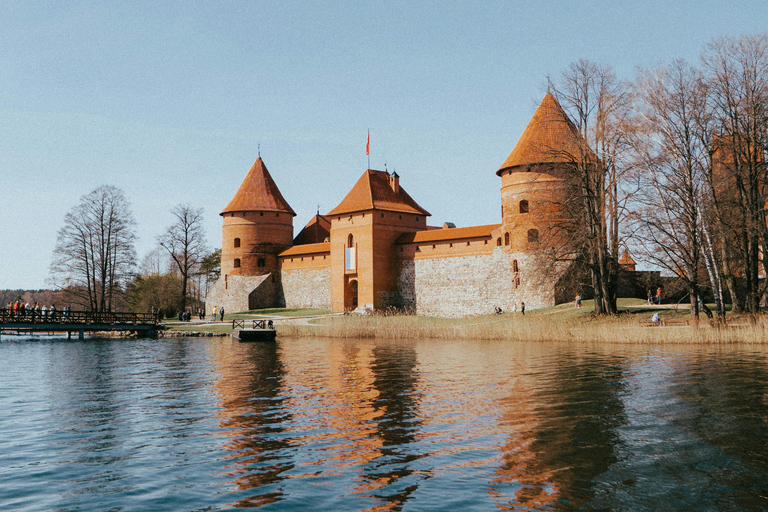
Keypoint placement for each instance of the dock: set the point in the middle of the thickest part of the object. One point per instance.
(261, 330)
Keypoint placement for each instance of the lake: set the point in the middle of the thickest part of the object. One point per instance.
(203, 424)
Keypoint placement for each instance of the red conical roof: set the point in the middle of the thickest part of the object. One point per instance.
(550, 137)
(258, 192)
(626, 259)
(373, 191)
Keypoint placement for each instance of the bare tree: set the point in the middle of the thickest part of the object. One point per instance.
(94, 255)
(675, 157)
(597, 103)
(185, 242)
(736, 74)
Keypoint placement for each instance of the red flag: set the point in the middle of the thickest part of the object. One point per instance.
(368, 144)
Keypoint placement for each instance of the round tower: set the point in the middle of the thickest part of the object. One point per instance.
(535, 188)
(258, 225)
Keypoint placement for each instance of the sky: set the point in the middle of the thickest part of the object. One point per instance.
(172, 101)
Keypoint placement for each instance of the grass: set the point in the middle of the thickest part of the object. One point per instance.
(290, 312)
(557, 323)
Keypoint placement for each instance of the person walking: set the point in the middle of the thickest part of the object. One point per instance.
(658, 295)
(522, 308)
(213, 314)
(221, 313)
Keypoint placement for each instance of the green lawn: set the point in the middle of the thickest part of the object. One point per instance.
(293, 312)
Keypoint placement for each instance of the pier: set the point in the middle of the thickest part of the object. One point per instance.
(80, 322)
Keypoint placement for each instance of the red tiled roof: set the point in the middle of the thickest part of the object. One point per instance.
(258, 192)
(438, 235)
(550, 137)
(307, 249)
(316, 231)
(373, 191)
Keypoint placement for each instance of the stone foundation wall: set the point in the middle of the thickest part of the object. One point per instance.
(474, 285)
(307, 288)
(234, 293)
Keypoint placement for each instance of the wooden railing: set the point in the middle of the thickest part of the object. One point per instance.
(10, 316)
(257, 324)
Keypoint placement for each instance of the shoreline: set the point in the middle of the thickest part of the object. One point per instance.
(562, 323)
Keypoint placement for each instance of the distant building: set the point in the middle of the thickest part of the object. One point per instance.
(626, 262)
(375, 250)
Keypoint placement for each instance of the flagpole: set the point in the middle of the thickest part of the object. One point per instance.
(368, 148)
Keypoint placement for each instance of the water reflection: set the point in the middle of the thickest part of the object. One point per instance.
(253, 414)
(191, 424)
(395, 374)
(725, 408)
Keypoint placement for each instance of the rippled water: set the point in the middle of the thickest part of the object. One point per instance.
(210, 424)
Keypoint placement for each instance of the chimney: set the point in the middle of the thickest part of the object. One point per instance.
(394, 182)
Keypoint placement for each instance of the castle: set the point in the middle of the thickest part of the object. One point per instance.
(374, 250)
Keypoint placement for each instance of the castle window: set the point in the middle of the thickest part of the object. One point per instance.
(533, 236)
(498, 242)
(506, 238)
(261, 214)
(401, 249)
(261, 262)
(237, 242)
(277, 214)
(245, 214)
(400, 217)
(237, 262)
(382, 215)
(485, 242)
(433, 246)
(350, 258)
(450, 246)
(417, 218)
(502, 210)
(517, 282)
(514, 266)
(467, 244)
(524, 206)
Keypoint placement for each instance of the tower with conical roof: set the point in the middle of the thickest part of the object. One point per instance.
(258, 224)
(534, 178)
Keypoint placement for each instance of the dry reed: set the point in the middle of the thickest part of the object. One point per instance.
(541, 327)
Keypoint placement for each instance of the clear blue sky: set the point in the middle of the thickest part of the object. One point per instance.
(168, 100)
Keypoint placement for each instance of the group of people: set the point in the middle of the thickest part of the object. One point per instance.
(26, 311)
(658, 296)
(220, 312)
(497, 310)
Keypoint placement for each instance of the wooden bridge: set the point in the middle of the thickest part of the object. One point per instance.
(18, 322)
